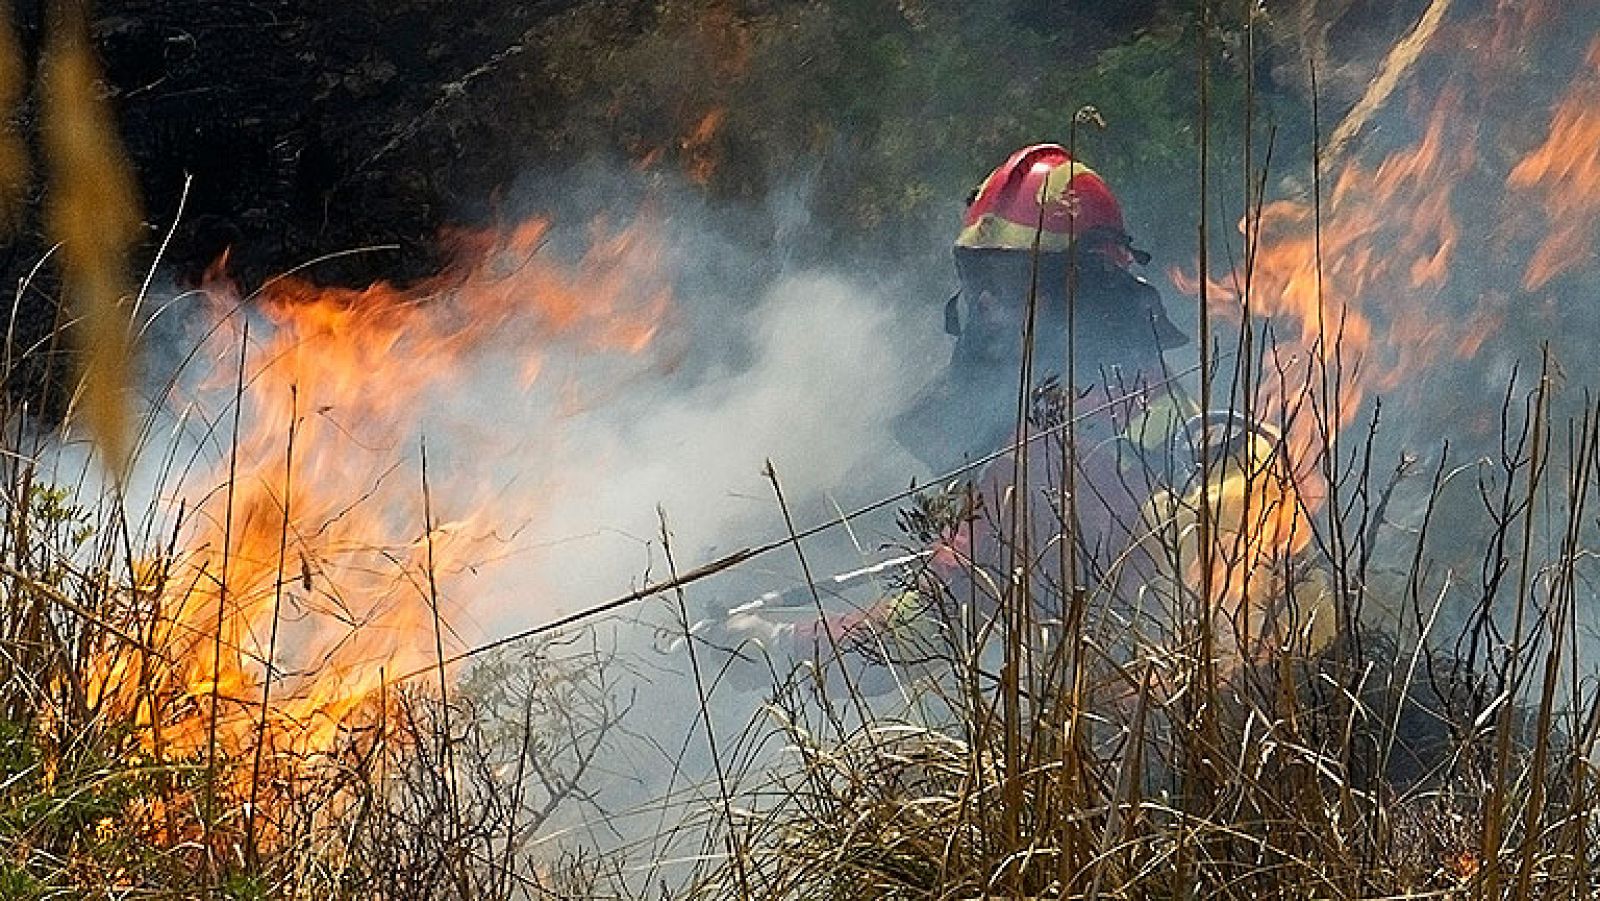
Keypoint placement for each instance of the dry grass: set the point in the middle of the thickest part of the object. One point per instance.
(1071, 732)
(1101, 754)
(92, 802)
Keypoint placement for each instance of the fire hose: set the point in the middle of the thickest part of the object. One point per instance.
(744, 555)
(795, 600)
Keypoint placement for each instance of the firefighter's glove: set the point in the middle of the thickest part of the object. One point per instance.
(750, 638)
(742, 648)
(752, 628)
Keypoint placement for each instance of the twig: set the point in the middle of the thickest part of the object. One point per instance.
(734, 845)
(1400, 59)
(222, 597)
(272, 640)
(447, 751)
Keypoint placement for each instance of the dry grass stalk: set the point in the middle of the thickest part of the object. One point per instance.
(93, 212)
(1400, 58)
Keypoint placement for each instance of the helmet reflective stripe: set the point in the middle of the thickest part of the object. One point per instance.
(1042, 198)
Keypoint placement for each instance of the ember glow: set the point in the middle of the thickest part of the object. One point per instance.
(699, 147)
(324, 543)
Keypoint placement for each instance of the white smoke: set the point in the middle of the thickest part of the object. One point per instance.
(807, 368)
(830, 365)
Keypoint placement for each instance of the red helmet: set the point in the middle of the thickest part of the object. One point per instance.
(1042, 197)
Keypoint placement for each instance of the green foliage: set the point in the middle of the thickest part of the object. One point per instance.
(245, 887)
(55, 511)
(17, 884)
(894, 110)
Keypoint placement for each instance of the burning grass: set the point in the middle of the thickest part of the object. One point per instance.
(219, 692)
(124, 777)
(1418, 758)
(1296, 691)
(1104, 744)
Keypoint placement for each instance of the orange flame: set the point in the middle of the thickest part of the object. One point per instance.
(1348, 292)
(1371, 262)
(331, 548)
(1564, 175)
(699, 151)
(1351, 299)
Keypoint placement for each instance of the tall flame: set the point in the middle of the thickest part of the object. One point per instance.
(329, 549)
(1374, 256)
(1360, 294)
(1363, 281)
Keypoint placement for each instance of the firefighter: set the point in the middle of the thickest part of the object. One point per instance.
(1119, 458)
(1044, 226)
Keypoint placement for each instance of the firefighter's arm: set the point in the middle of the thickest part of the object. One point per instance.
(805, 637)
(1241, 502)
(865, 640)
